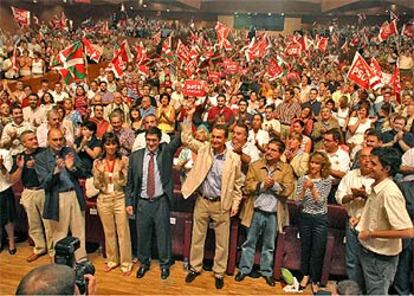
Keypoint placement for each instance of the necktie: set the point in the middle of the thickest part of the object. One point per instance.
(151, 177)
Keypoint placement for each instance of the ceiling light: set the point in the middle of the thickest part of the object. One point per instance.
(282, 14)
(34, 1)
(168, 10)
(269, 14)
(144, 5)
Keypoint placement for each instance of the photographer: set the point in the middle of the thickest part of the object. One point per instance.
(53, 279)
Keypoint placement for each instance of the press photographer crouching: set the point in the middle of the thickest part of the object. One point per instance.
(63, 278)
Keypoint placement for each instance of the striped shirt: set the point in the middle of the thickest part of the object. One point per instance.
(286, 112)
(310, 205)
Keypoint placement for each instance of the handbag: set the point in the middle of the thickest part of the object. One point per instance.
(90, 189)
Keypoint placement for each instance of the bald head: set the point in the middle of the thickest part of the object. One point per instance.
(364, 160)
(55, 139)
(51, 279)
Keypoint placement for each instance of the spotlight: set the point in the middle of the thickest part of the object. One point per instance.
(132, 8)
(144, 5)
(34, 1)
(168, 10)
(282, 14)
(269, 14)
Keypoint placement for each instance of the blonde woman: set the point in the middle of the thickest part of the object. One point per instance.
(110, 177)
(313, 190)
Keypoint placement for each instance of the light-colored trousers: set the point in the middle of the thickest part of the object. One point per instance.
(72, 218)
(33, 202)
(205, 210)
(114, 218)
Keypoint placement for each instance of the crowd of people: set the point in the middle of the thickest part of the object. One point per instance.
(245, 148)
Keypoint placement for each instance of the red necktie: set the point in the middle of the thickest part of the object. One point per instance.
(151, 177)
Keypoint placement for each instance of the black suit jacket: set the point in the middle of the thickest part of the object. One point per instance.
(165, 156)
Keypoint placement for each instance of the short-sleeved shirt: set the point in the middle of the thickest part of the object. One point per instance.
(29, 176)
(385, 209)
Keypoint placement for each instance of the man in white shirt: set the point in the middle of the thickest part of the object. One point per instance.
(340, 161)
(147, 122)
(10, 138)
(177, 97)
(384, 222)
(59, 94)
(33, 113)
(258, 136)
(271, 125)
(353, 190)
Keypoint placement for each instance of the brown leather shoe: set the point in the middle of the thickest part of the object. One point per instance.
(34, 257)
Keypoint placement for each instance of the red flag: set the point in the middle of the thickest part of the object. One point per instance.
(21, 16)
(166, 51)
(274, 70)
(360, 72)
(141, 54)
(222, 31)
(376, 79)
(322, 44)
(93, 51)
(125, 52)
(183, 52)
(194, 88)
(408, 30)
(293, 49)
(256, 49)
(117, 65)
(387, 30)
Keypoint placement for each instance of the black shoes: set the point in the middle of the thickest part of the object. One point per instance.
(240, 276)
(219, 282)
(12, 251)
(142, 270)
(165, 273)
(270, 281)
(191, 276)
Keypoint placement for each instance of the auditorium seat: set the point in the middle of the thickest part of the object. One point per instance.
(288, 249)
(336, 255)
(93, 227)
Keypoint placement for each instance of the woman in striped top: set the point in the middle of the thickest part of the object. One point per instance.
(313, 190)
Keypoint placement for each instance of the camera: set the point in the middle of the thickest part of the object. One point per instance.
(65, 255)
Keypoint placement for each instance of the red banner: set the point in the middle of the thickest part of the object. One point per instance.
(360, 72)
(387, 30)
(194, 88)
(21, 16)
(231, 67)
(214, 76)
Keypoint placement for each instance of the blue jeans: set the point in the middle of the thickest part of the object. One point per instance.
(352, 253)
(262, 224)
(313, 236)
(379, 271)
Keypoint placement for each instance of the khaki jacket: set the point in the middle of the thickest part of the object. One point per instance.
(255, 176)
(231, 180)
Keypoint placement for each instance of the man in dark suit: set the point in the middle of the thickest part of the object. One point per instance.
(148, 192)
(58, 169)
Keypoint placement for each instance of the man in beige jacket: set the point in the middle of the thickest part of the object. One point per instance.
(216, 179)
(269, 182)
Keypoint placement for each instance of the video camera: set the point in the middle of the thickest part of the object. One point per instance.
(65, 255)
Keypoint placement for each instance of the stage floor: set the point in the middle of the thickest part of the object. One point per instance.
(13, 268)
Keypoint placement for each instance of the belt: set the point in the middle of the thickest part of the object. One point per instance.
(282, 123)
(153, 198)
(366, 251)
(68, 190)
(33, 188)
(264, 212)
(212, 199)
